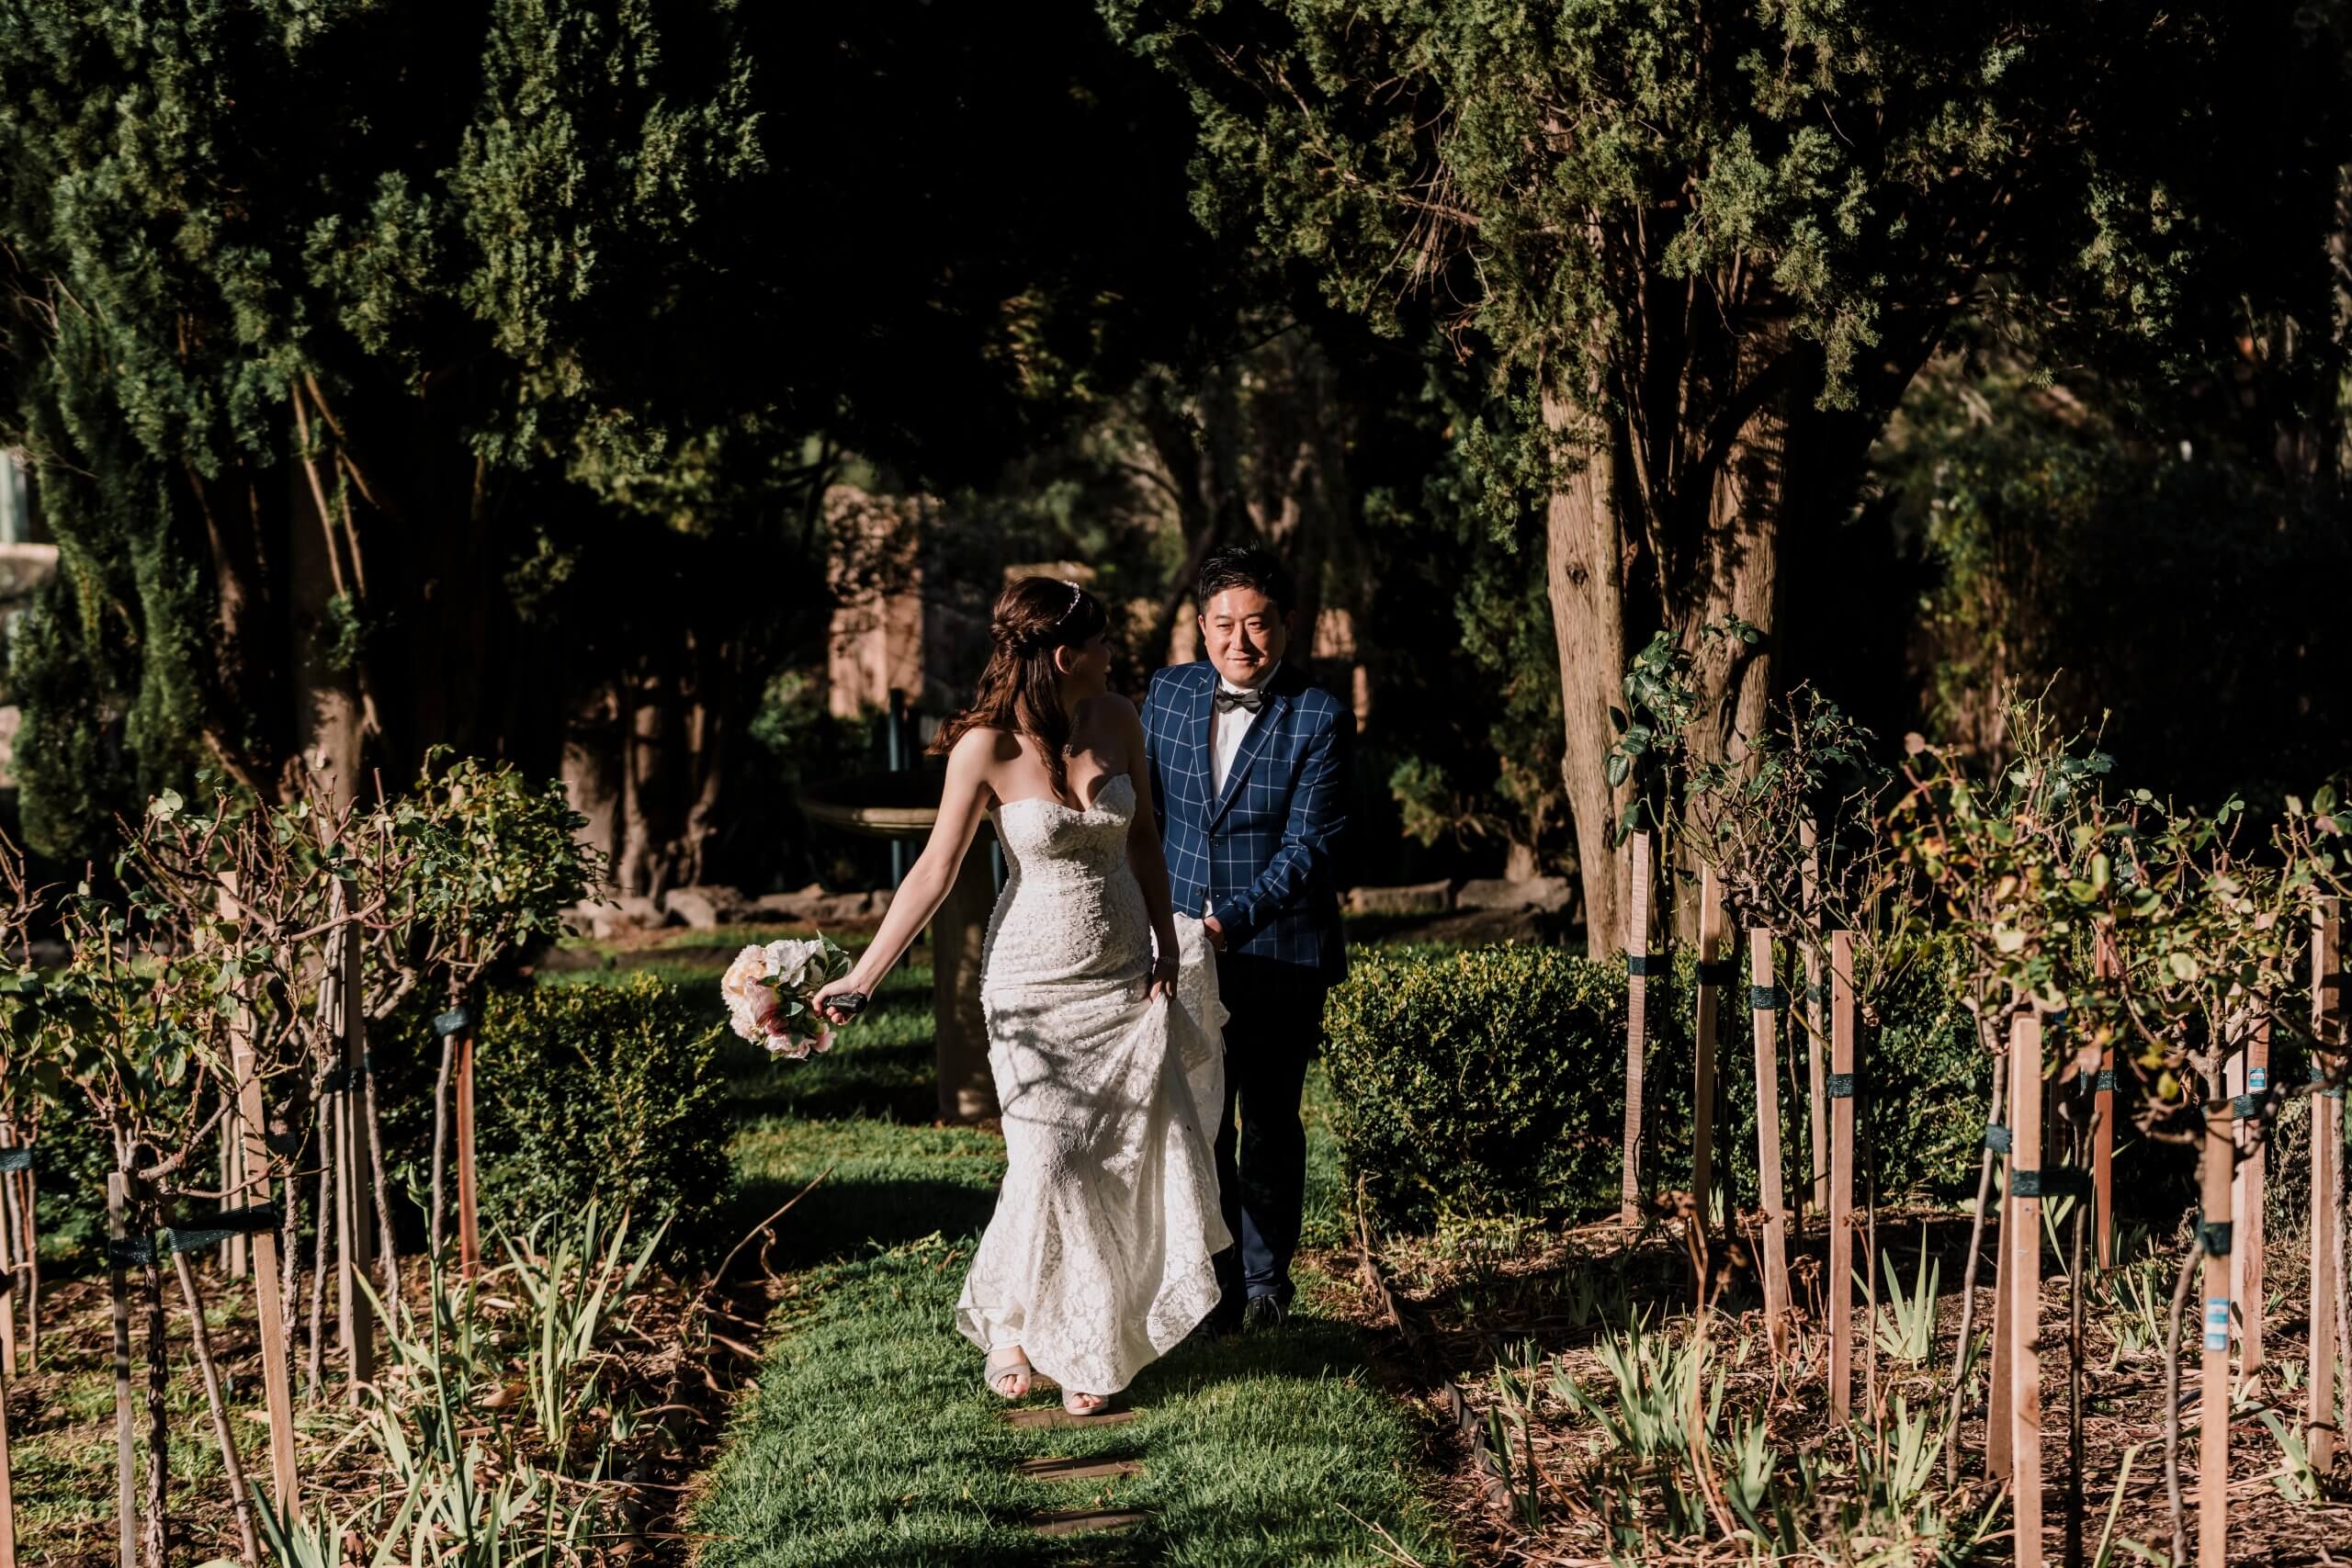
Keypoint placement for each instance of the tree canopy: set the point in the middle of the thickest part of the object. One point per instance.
(1704, 250)
(397, 377)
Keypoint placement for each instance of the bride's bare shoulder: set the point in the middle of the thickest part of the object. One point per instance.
(1109, 709)
(985, 743)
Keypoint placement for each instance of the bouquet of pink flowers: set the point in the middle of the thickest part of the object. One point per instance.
(771, 989)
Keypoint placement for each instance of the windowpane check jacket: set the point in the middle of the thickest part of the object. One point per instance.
(1258, 856)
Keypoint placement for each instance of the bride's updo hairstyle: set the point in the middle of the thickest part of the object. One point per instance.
(1019, 689)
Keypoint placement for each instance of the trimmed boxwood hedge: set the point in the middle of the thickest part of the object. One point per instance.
(1489, 1081)
(610, 1092)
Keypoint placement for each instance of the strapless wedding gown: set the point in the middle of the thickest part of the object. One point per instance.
(1097, 1260)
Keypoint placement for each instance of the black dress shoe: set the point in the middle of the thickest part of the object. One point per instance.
(1221, 1323)
(1263, 1313)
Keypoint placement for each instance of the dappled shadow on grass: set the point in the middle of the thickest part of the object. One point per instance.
(871, 1441)
(1302, 1347)
(843, 1218)
(891, 1080)
(1531, 1285)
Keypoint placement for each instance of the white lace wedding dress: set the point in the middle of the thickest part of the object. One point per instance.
(1096, 1261)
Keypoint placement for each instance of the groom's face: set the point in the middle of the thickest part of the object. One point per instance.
(1245, 634)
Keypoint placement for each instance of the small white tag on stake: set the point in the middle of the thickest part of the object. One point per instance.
(2217, 1322)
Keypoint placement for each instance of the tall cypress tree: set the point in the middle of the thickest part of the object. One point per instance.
(403, 376)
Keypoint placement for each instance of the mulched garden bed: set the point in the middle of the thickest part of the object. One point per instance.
(676, 1376)
(1526, 1297)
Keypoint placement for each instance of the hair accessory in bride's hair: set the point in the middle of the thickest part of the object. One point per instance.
(1044, 638)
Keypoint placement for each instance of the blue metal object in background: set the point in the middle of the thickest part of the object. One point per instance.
(894, 730)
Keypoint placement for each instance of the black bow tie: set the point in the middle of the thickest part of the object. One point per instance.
(1227, 701)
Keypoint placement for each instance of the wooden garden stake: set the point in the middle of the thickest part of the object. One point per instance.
(126, 1430)
(2327, 1142)
(29, 1242)
(23, 1279)
(355, 1207)
(1842, 1174)
(1703, 1065)
(1637, 959)
(7, 1377)
(276, 1369)
(2108, 965)
(2245, 1254)
(2213, 1398)
(233, 1251)
(1997, 1388)
(7, 1269)
(1762, 1002)
(2021, 1236)
(469, 1215)
(1816, 1058)
(7, 1488)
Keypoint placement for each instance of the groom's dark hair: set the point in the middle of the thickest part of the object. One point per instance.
(1246, 565)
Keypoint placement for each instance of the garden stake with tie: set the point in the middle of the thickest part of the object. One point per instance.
(1842, 1174)
(8, 1161)
(2250, 1086)
(2213, 1398)
(2022, 1236)
(2109, 966)
(1762, 1000)
(278, 1390)
(119, 1255)
(354, 1204)
(1712, 977)
(1816, 1061)
(1637, 949)
(7, 1489)
(2327, 1145)
(1997, 1431)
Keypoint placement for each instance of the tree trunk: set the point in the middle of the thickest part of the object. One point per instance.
(326, 698)
(1585, 550)
(592, 768)
(644, 866)
(1739, 576)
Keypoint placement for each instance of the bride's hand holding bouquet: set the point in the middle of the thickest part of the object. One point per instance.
(774, 995)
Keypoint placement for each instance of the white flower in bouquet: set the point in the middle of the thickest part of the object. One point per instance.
(770, 993)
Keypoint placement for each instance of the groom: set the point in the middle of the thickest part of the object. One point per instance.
(1248, 766)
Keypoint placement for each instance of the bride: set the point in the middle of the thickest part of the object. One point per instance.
(1104, 1038)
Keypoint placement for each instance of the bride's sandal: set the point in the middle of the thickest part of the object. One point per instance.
(1008, 1366)
(1078, 1403)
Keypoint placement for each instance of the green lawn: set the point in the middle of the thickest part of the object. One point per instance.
(870, 1439)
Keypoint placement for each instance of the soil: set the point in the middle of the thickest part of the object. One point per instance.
(63, 1410)
(1514, 1299)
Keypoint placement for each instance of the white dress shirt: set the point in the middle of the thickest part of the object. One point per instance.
(1227, 730)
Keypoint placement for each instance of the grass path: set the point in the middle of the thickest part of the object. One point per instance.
(870, 1441)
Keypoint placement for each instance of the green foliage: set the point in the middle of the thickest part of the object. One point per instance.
(607, 1094)
(2058, 512)
(1490, 1081)
(486, 861)
(470, 1476)
(1558, 181)
(1662, 1405)
(496, 288)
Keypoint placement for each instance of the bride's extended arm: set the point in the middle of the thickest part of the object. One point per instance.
(961, 805)
(1150, 864)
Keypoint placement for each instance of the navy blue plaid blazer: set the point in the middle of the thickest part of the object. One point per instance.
(1259, 856)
